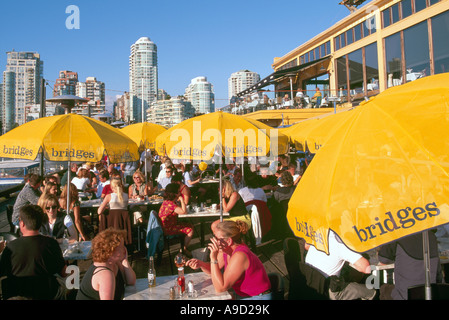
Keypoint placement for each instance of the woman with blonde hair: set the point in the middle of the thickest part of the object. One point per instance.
(233, 204)
(74, 208)
(117, 204)
(110, 271)
(243, 270)
(55, 222)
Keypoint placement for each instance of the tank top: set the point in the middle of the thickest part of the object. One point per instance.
(239, 209)
(87, 292)
(255, 279)
(115, 204)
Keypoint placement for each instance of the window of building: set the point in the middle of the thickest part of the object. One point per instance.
(416, 49)
(395, 13)
(349, 37)
(328, 47)
(393, 54)
(432, 2)
(342, 80)
(358, 32)
(386, 19)
(355, 65)
(420, 5)
(372, 69)
(406, 8)
(440, 39)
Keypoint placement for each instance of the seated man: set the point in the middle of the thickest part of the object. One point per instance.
(331, 265)
(29, 195)
(164, 181)
(31, 261)
(407, 256)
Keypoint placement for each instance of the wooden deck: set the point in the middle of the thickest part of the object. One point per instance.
(269, 252)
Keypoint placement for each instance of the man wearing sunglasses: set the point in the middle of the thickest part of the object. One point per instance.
(164, 181)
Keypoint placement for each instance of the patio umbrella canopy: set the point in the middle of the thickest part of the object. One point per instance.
(198, 138)
(382, 176)
(68, 137)
(144, 134)
(311, 135)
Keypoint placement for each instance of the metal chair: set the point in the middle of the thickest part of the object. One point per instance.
(277, 285)
(9, 236)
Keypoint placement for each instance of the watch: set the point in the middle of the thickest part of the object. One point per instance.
(214, 262)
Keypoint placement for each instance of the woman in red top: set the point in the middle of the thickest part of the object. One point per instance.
(243, 270)
(168, 213)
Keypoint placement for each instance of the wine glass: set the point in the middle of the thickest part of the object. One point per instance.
(89, 196)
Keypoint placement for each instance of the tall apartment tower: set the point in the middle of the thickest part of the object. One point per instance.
(9, 101)
(143, 78)
(66, 83)
(241, 80)
(200, 93)
(28, 69)
(93, 90)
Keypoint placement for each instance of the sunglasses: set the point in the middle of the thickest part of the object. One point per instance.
(52, 207)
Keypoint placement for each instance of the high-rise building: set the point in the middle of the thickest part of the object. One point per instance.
(170, 112)
(28, 69)
(93, 90)
(122, 108)
(9, 98)
(143, 77)
(65, 84)
(200, 93)
(240, 81)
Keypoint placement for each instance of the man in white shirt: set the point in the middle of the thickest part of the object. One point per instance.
(331, 265)
(163, 182)
(104, 180)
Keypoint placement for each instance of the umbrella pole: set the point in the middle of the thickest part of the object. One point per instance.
(68, 188)
(220, 194)
(426, 256)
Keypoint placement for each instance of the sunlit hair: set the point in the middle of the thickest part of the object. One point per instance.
(46, 200)
(233, 229)
(105, 242)
(48, 186)
(286, 178)
(117, 187)
(140, 174)
(73, 195)
(228, 188)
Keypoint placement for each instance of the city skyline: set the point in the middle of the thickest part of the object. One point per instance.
(200, 39)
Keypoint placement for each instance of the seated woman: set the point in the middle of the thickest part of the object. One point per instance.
(118, 201)
(82, 180)
(55, 221)
(285, 192)
(184, 191)
(110, 271)
(243, 271)
(50, 188)
(173, 206)
(233, 204)
(138, 190)
(74, 208)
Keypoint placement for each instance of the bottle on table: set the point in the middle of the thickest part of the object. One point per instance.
(181, 280)
(180, 259)
(151, 273)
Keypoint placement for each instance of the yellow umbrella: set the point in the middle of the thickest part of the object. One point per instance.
(68, 137)
(198, 138)
(144, 133)
(218, 134)
(310, 135)
(383, 176)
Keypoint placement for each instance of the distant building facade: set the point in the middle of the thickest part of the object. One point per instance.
(93, 90)
(241, 80)
(66, 83)
(201, 95)
(28, 69)
(170, 112)
(143, 77)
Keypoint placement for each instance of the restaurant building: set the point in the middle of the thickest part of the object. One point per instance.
(383, 43)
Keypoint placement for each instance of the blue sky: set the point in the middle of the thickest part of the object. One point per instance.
(194, 38)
